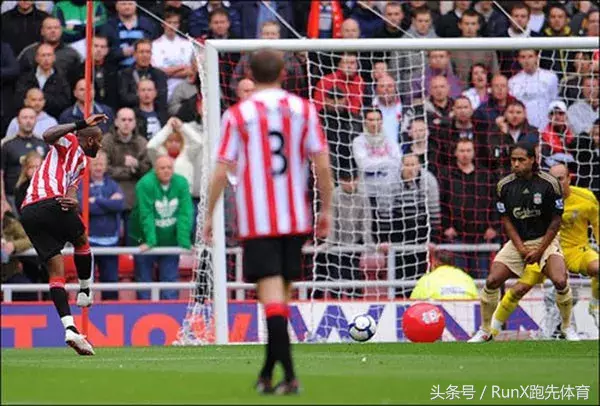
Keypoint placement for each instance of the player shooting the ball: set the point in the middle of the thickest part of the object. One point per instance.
(531, 206)
(51, 219)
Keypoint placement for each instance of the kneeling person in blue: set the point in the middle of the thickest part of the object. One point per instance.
(161, 217)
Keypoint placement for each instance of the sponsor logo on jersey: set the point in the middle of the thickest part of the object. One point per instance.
(522, 214)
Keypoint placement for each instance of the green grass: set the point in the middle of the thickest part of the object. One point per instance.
(390, 373)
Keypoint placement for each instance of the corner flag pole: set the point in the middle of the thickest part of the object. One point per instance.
(87, 107)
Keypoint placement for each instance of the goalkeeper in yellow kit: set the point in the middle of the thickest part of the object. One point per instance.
(581, 211)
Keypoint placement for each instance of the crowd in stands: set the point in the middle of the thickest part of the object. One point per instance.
(418, 139)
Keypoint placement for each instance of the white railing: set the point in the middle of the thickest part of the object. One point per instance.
(302, 287)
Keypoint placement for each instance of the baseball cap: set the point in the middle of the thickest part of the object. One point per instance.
(557, 104)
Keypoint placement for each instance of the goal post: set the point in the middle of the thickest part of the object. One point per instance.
(212, 103)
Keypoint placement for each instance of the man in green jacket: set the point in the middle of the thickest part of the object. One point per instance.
(161, 217)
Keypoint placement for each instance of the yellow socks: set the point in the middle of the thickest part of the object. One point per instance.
(507, 305)
(489, 302)
(564, 302)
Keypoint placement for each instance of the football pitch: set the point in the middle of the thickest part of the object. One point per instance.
(354, 373)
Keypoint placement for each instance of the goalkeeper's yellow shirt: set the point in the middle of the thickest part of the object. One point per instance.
(581, 209)
(445, 283)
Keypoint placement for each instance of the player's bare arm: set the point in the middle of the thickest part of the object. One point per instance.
(215, 189)
(535, 255)
(325, 188)
(53, 134)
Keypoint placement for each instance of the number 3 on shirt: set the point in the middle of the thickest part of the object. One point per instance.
(279, 162)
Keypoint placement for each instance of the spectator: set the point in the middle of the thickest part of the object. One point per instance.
(407, 66)
(464, 60)
(35, 99)
(351, 218)
(479, 80)
(14, 241)
(394, 15)
(485, 116)
(443, 137)
(571, 85)
(253, 14)
(106, 203)
(537, 21)
(493, 146)
(219, 28)
(447, 25)
(142, 69)
(24, 19)
(388, 102)
(127, 155)
(587, 155)
(415, 217)
(67, 60)
(439, 65)
(31, 162)
(43, 5)
(105, 73)
(244, 89)
(124, 30)
(418, 135)
(346, 79)
(55, 86)
(412, 6)
(171, 53)
(200, 17)
(377, 157)
(294, 77)
(519, 17)
(72, 16)
(535, 87)
(466, 195)
(556, 60)
(380, 69)
(557, 136)
(496, 22)
(578, 12)
(185, 90)
(591, 24)
(439, 104)
(341, 127)
(149, 116)
(325, 19)
(161, 217)
(183, 143)
(369, 22)
(9, 72)
(14, 150)
(75, 112)
(583, 113)
(177, 6)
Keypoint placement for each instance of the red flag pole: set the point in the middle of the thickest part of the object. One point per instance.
(87, 107)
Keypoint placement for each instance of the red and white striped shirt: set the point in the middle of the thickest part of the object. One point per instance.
(62, 167)
(270, 136)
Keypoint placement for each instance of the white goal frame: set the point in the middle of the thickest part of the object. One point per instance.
(212, 49)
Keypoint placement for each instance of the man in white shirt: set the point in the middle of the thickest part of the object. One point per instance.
(537, 19)
(35, 99)
(171, 53)
(535, 87)
(583, 113)
(388, 102)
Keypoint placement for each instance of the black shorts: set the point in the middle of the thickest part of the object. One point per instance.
(49, 227)
(273, 256)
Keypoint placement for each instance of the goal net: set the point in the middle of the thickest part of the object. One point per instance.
(403, 127)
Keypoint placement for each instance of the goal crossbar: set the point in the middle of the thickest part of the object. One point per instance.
(213, 97)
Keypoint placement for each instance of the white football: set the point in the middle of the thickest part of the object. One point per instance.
(362, 328)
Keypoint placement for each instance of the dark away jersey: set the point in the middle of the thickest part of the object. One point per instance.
(530, 204)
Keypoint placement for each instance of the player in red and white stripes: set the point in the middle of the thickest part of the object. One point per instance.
(268, 140)
(50, 218)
